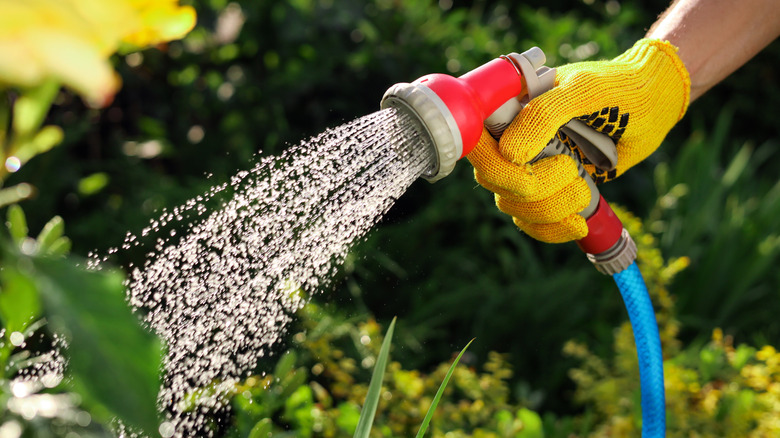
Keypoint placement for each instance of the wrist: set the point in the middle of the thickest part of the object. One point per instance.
(708, 55)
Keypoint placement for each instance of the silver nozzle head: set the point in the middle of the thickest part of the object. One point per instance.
(434, 119)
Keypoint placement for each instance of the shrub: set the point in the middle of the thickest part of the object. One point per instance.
(318, 387)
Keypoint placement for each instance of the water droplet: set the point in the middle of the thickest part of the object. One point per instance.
(16, 338)
(166, 429)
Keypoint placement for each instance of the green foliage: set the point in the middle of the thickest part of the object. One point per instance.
(21, 134)
(714, 207)
(114, 363)
(335, 354)
(712, 390)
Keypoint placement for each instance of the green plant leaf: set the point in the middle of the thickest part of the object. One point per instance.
(291, 382)
(89, 185)
(298, 410)
(348, 417)
(16, 223)
(113, 361)
(48, 137)
(439, 393)
(374, 387)
(52, 231)
(43, 140)
(262, 429)
(14, 194)
(59, 247)
(532, 424)
(32, 106)
(742, 355)
(19, 301)
(285, 364)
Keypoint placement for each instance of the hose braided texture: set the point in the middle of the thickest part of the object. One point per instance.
(648, 347)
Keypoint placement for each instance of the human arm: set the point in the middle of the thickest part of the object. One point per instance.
(716, 37)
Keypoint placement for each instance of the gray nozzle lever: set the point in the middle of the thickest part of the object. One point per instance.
(598, 148)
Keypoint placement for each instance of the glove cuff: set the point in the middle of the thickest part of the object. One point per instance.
(648, 47)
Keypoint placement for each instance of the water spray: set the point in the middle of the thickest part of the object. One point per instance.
(450, 113)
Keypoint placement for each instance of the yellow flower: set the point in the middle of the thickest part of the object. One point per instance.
(41, 39)
(71, 40)
(109, 21)
(162, 21)
(766, 353)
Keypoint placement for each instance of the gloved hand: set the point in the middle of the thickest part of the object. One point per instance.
(635, 98)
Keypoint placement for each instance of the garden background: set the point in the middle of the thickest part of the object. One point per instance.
(552, 356)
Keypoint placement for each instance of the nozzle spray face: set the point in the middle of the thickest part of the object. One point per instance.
(452, 110)
(433, 120)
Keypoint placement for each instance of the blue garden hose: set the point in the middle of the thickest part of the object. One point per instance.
(648, 347)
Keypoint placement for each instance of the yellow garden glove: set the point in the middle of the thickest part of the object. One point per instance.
(635, 99)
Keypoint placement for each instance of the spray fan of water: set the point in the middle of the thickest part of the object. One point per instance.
(222, 295)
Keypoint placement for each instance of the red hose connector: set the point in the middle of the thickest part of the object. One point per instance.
(608, 245)
(604, 229)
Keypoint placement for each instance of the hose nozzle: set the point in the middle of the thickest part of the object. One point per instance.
(452, 111)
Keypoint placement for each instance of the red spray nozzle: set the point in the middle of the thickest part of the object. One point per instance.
(452, 110)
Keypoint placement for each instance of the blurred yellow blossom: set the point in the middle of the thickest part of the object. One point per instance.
(70, 40)
(162, 20)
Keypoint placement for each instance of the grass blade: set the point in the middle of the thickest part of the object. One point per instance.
(439, 393)
(374, 387)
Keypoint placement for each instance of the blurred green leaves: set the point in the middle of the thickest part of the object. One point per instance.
(19, 301)
(91, 184)
(17, 223)
(32, 106)
(113, 363)
(25, 138)
(335, 354)
(715, 207)
(50, 241)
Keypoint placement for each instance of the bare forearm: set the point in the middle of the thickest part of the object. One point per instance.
(716, 37)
